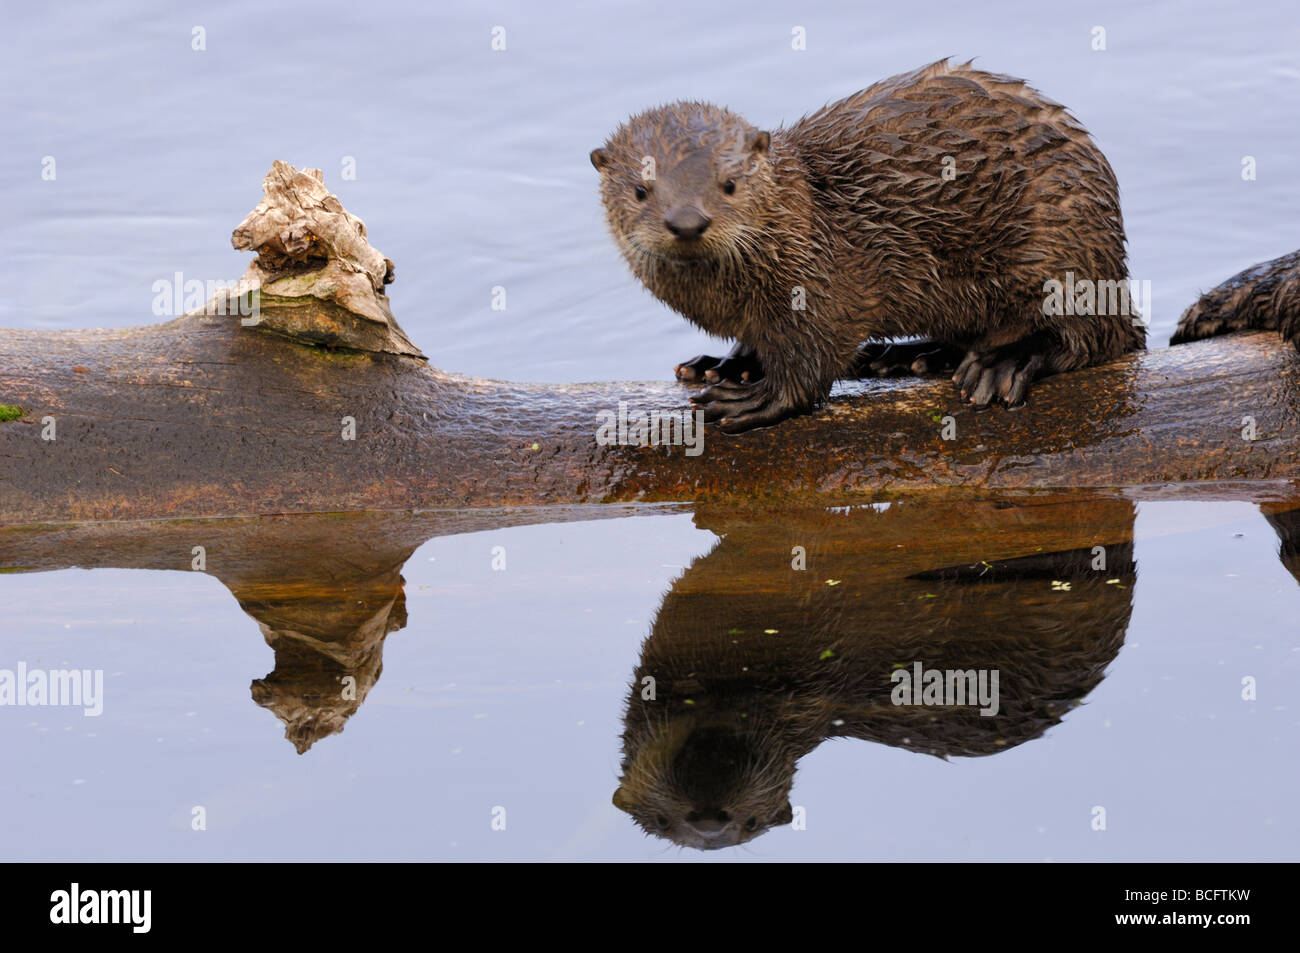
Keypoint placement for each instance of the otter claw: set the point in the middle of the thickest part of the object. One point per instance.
(737, 407)
(735, 368)
(696, 369)
(739, 366)
(764, 417)
(915, 358)
(1002, 375)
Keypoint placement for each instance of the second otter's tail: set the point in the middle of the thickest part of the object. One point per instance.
(1265, 296)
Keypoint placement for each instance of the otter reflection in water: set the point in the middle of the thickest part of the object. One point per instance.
(751, 663)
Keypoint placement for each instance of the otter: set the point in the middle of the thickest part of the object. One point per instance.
(1263, 297)
(936, 205)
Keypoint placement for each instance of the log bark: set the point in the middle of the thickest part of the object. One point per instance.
(203, 417)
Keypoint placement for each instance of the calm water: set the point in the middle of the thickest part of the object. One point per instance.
(507, 688)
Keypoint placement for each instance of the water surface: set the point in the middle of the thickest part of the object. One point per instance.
(484, 688)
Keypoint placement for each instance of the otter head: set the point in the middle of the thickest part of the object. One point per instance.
(685, 183)
(706, 785)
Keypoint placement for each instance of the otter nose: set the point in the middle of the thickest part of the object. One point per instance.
(686, 222)
(708, 822)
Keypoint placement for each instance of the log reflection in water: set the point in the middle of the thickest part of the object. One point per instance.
(953, 585)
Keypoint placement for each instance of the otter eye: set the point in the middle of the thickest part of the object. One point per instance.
(662, 822)
(729, 186)
(641, 193)
(751, 825)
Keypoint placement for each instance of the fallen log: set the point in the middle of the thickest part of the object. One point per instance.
(319, 403)
(199, 417)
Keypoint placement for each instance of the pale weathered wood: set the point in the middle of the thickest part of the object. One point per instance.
(315, 278)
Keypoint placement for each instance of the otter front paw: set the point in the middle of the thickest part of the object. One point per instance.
(1002, 374)
(740, 407)
(739, 366)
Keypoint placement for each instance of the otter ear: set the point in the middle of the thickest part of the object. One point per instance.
(621, 802)
(785, 816)
(760, 142)
(600, 159)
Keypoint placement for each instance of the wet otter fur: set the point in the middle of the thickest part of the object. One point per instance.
(802, 243)
(1263, 297)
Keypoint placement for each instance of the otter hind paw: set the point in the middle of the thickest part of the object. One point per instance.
(1002, 375)
(741, 365)
(737, 407)
(910, 358)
